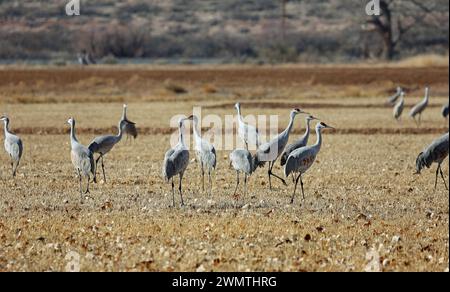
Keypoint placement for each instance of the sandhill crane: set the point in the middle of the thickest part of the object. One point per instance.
(398, 109)
(130, 127)
(435, 153)
(303, 158)
(269, 152)
(242, 161)
(393, 99)
(13, 146)
(82, 158)
(176, 162)
(81, 57)
(206, 154)
(248, 133)
(104, 144)
(419, 108)
(445, 111)
(302, 142)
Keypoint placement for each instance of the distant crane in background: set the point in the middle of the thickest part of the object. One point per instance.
(303, 158)
(398, 109)
(393, 99)
(269, 152)
(419, 108)
(82, 159)
(242, 161)
(13, 146)
(437, 152)
(176, 161)
(206, 154)
(248, 133)
(104, 144)
(130, 127)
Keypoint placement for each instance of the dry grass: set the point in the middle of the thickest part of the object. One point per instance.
(361, 196)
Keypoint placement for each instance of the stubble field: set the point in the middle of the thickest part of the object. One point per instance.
(364, 207)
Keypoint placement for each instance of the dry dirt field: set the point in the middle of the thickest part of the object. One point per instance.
(364, 208)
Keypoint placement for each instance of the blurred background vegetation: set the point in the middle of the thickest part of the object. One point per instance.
(222, 31)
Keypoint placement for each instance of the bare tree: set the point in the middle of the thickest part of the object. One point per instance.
(398, 17)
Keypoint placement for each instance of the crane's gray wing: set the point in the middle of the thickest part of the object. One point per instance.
(300, 160)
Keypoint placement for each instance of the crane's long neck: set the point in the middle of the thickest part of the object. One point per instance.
(291, 124)
(308, 129)
(124, 113)
(319, 138)
(196, 133)
(181, 136)
(6, 122)
(73, 138)
(119, 135)
(239, 114)
(427, 95)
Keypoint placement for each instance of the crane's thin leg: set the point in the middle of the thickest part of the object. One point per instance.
(245, 185)
(103, 169)
(180, 189)
(210, 183)
(437, 174)
(237, 184)
(443, 177)
(295, 188)
(301, 184)
(272, 174)
(173, 193)
(203, 177)
(87, 189)
(81, 186)
(12, 166)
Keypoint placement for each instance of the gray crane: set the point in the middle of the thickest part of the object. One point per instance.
(302, 142)
(104, 144)
(242, 161)
(206, 154)
(419, 108)
(393, 99)
(13, 146)
(248, 133)
(269, 152)
(176, 161)
(437, 152)
(398, 109)
(82, 159)
(303, 158)
(130, 127)
(445, 111)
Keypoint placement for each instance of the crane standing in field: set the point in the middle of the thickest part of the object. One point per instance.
(82, 158)
(435, 153)
(13, 146)
(242, 161)
(130, 127)
(393, 99)
(302, 142)
(419, 108)
(176, 162)
(104, 144)
(445, 111)
(206, 154)
(398, 109)
(248, 133)
(269, 152)
(303, 158)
